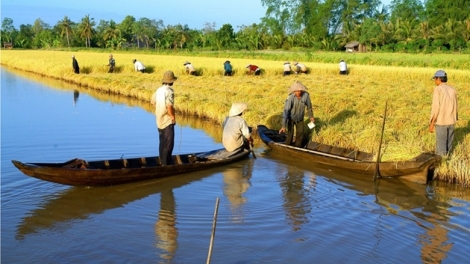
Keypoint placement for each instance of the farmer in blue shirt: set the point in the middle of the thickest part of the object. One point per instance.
(227, 68)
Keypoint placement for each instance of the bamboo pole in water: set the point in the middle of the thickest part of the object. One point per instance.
(214, 222)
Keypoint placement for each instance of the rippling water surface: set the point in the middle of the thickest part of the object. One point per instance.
(272, 209)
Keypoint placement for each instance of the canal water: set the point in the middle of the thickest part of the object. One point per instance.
(272, 209)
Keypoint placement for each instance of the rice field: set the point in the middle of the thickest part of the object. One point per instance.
(348, 109)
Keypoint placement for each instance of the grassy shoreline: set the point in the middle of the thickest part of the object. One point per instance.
(348, 109)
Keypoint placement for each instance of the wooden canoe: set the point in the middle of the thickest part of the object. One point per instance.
(416, 170)
(118, 171)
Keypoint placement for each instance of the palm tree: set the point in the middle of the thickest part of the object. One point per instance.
(87, 30)
(112, 34)
(66, 28)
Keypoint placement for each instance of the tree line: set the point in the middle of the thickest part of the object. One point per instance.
(402, 26)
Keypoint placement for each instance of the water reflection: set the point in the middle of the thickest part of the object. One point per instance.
(79, 203)
(165, 228)
(76, 94)
(236, 183)
(211, 128)
(296, 195)
(429, 207)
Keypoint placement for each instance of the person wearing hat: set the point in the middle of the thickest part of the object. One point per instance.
(111, 64)
(163, 99)
(189, 68)
(294, 111)
(236, 134)
(299, 68)
(138, 66)
(227, 68)
(444, 113)
(287, 68)
(343, 68)
(253, 69)
(75, 67)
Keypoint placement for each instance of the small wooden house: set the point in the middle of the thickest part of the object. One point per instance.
(355, 46)
(7, 45)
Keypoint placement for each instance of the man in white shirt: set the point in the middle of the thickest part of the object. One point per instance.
(164, 99)
(343, 68)
(236, 133)
(139, 66)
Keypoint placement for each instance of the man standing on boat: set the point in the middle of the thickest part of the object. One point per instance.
(164, 99)
(236, 133)
(294, 111)
(443, 113)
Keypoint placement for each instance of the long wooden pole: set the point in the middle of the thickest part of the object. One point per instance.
(214, 221)
(377, 171)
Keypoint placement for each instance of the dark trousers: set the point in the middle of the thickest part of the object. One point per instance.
(299, 133)
(167, 142)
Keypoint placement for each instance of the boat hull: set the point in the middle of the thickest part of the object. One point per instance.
(112, 172)
(415, 170)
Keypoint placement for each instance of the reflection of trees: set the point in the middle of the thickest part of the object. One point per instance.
(237, 182)
(165, 228)
(212, 128)
(296, 197)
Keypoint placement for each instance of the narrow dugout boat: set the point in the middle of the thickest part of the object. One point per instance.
(416, 170)
(118, 171)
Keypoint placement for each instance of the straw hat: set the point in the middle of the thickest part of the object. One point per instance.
(169, 77)
(295, 62)
(73, 56)
(248, 65)
(186, 62)
(297, 86)
(237, 108)
(286, 62)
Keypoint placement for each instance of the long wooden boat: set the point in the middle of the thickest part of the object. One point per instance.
(118, 171)
(416, 170)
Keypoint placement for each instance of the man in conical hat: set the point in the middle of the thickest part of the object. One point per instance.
(294, 111)
(236, 133)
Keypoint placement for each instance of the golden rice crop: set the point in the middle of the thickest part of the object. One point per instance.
(348, 109)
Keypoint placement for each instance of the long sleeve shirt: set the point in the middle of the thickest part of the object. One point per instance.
(294, 108)
(444, 105)
(235, 132)
(139, 66)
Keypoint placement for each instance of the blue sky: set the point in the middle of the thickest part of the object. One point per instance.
(193, 13)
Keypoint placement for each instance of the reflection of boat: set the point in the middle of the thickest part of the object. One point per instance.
(416, 170)
(81, 203)
(118, 171)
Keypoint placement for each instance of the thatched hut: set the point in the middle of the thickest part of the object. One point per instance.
(355, 46)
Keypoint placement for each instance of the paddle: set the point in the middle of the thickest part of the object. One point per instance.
(377, 172)
(252, 151)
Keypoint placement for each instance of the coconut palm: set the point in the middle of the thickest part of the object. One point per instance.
(87, 30)
(65, 26)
